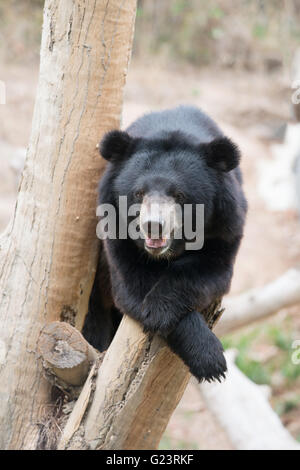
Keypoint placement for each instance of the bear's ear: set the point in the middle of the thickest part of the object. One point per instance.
(115, 145)
(221, 154)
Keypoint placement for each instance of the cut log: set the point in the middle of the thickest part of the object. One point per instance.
(67, 356)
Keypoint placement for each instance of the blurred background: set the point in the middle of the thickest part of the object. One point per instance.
(238, 61)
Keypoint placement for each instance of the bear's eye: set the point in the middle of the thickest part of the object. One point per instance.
(179, 196)
(139, 194)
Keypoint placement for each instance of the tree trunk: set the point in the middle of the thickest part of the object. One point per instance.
(48, 254)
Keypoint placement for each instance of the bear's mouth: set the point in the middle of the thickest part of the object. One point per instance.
(157, 246)
(156, 243)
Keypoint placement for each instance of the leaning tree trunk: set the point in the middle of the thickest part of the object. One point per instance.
(48, 254)
(150, 382)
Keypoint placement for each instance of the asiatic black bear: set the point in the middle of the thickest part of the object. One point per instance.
(165, 162)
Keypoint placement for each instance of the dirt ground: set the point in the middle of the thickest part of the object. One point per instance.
(251, 108)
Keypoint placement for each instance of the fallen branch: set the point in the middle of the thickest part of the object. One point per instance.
(259, 303)
(243, 410)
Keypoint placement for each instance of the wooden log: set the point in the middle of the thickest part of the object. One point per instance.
(242, 409)
(66, 354)
(138, 387)
(259, 303)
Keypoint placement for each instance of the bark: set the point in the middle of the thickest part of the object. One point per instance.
(242, 409)
(78, 411)
(257, 304)
(48, 254)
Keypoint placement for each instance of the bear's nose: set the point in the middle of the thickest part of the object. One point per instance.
(153, 229)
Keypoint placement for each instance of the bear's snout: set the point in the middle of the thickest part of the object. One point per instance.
(157, 222)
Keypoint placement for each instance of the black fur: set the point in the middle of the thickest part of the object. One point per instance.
(179, 150)
(221, 154)
(115, 145)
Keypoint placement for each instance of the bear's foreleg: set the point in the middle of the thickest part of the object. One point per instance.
(198, 347)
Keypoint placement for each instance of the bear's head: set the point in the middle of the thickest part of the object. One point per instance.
(170, 180)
